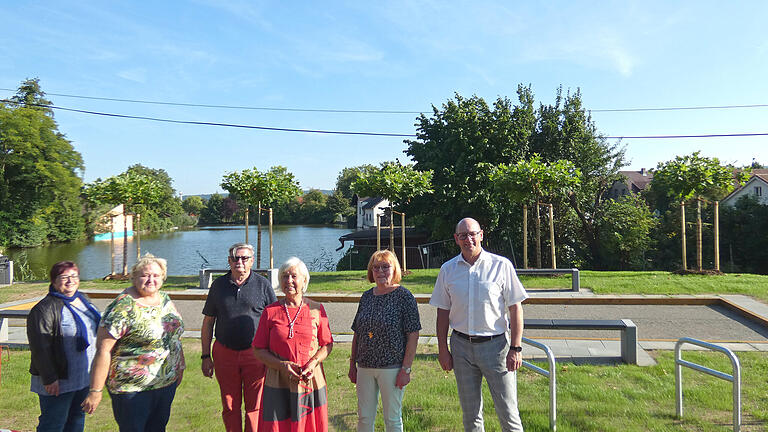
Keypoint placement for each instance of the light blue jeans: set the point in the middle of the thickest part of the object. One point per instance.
(472, 362)
(369, 382)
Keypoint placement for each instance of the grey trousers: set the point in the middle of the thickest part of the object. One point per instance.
(472, 362)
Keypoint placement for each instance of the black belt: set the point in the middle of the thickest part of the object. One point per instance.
(476, 339)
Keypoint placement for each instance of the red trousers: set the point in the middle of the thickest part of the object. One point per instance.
(241, 378)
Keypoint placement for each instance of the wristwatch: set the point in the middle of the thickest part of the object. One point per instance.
(406, 370)
(516, 349)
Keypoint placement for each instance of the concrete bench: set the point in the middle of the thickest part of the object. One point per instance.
(206, 276)
(574, 272)
(627, 327)
(5, 317)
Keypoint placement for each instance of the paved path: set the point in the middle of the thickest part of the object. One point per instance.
(659, 325)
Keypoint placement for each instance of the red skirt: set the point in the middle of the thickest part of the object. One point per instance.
(291, 405)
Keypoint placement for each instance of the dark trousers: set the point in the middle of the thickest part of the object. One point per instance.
(143, 411)
(62, 413)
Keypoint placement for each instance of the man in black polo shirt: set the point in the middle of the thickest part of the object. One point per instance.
(234, 304)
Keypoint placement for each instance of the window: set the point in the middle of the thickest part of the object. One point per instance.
(758, 191)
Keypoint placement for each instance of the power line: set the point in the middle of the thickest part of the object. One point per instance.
(319, 131)
(237, 107)
(352, 111)
(206, 123)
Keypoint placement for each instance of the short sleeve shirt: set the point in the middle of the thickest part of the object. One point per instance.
(148, 353)
(478, 296)
(382, 324)
(238, 308)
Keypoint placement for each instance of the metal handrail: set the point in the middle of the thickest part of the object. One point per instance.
(549, 374)
(735, 378)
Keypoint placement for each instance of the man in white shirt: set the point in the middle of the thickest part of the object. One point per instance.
(479, 296)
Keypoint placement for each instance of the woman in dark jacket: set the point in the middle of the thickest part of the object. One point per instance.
(61, 329)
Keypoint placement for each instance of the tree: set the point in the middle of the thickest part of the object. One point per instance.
(625, 226)
(130, 188)
(193, 205)
(211, 214)
(347, 177)
(39, 182)
(453, 143)
(396, 182)
(693, 177)
(530, 181)
(254, 188)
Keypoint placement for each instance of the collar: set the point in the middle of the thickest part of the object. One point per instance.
(479, 257)
(233, 283)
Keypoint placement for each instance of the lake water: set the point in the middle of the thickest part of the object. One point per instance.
(188, 250)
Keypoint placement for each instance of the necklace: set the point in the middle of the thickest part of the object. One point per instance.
(292, 321)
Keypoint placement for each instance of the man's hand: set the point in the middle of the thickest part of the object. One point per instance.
(446, 359)
(207, 367)
(514, 360)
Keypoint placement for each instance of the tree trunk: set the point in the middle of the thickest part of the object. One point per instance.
(717, 235)
(125, 241)
(525, 236)
(699, 265)
(537, 227)
(552, 235)
(258, 237)
(682, 235)
(271, 248)
(246, 223)
(137, 231)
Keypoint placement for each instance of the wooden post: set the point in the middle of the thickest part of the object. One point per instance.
(552, 235)
(537, 227)
(717, 235)
(137, 229)
(699, 265)
(402, 233)
(525, 236)
(378, 231)
(258, 237)
(112, 244)
(247, 209)
(125, 241)
(391, 229)
(682, 235)
(271, 246)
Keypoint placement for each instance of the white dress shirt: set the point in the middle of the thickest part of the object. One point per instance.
(478, 296)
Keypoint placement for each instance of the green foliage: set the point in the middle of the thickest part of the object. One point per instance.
(746, 250)
(270, 188)
(193, 205)
(624, 226)
(211, 214)
(531, 180)
(129, 188)
(396, 182)
(348, 176)
(39, 183)
(693, 176)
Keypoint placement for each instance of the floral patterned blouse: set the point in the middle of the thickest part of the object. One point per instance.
(148, 353)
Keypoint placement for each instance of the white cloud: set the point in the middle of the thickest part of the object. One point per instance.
(138, 75)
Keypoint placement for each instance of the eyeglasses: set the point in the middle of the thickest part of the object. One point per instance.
(68, 278)
(464, 235)
(383, 267)
(241, 258)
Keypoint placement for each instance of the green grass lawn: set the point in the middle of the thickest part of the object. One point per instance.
(590, 398)
(423, 281)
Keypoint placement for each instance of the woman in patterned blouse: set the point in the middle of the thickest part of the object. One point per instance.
(386, 330)
(139, 352)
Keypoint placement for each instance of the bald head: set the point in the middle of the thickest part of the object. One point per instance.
(467, 224)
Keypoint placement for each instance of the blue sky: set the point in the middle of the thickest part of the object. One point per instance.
(393, 55)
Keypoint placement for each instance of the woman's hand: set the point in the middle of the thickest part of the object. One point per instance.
(52, 388)
(309, 369)
(91, 402)
(291, 368)
(402, 379)
(352, 372)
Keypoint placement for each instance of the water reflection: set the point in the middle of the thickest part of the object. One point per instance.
(187, 250)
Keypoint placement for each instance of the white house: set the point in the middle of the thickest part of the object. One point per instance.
(756, 186)
(367, 209)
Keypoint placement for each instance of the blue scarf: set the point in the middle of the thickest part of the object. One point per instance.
(81, 334)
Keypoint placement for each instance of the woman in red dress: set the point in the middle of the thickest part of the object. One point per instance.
(292, 340)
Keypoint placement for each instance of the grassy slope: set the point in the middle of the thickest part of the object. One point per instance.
(590, 398)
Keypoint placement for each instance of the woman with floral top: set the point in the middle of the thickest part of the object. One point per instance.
(386, 330)
(139, 352)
